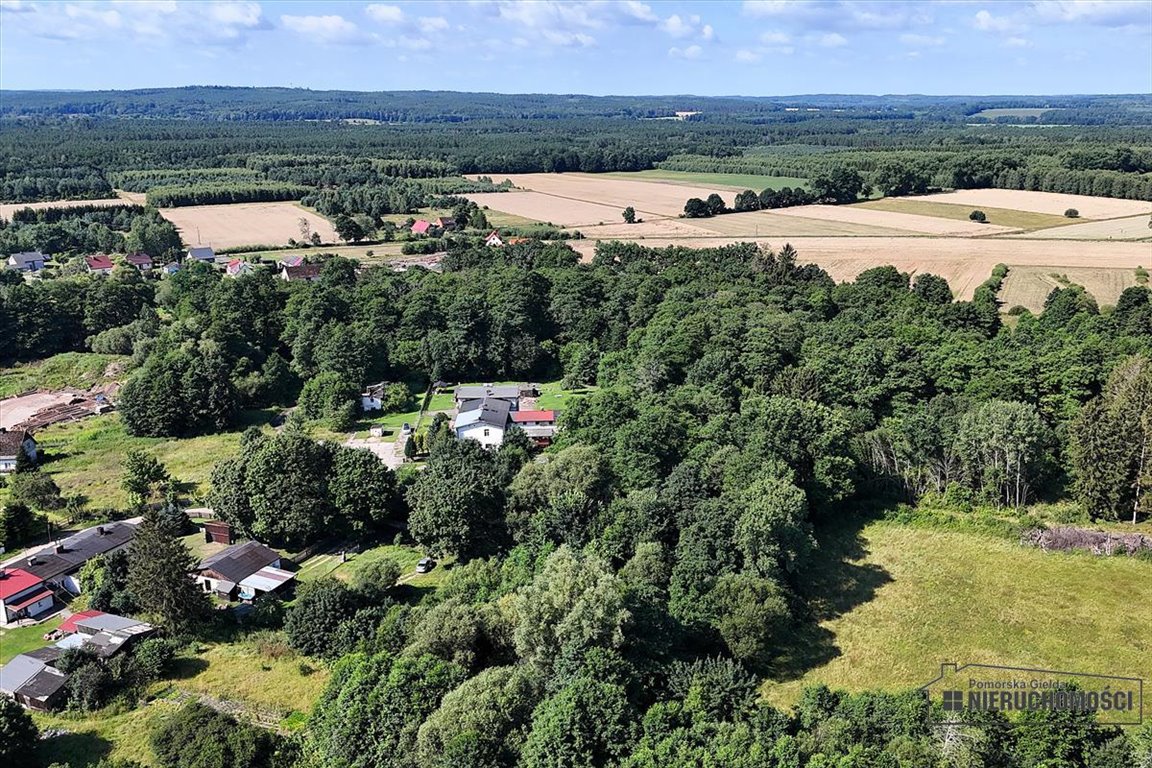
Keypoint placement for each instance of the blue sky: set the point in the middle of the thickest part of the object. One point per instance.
(769, 47)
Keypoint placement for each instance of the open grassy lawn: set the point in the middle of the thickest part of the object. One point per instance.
(90, 737)
(14, 642)
(380, 252)
(895, 601)
(405, 555)
(1004, 217)
(84, 456)
(740, 181)
(68, 370)
(554, 397)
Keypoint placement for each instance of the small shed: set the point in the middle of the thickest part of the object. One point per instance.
(217, 532)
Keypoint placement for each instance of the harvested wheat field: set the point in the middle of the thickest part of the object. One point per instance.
(1000, 217)
(910, 222)
(226, 226)
(649, 198)
(562, 212)
(963, 262)
(772, 224)
(1042, 202)
(664, 228)
(1131, 228)
(1029, 286)
(109, 202)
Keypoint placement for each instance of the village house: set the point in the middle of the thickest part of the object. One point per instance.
(201, 253)
(485, 422)
(243, 571)
(238, 267)
(99, 264)
(445, 223)
(139, 260)
(493, 240)
(291, 261)
(539, 426)
(59, 564)
(27, 261)
(304, 272)
(469, 397)
(171, 268)
(371, 399)
(11, 441)
(421, 227)
(23, 595)
(32, 678)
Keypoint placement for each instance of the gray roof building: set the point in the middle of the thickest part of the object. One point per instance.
(72, 553)
(493, 413)
(238, 562)
(27, 261)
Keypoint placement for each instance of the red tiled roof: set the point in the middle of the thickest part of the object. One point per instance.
(139, 258)
(30, 600)
(15, 581)
(99, 261)
(69, 624)
(421, 227)
(519, 416)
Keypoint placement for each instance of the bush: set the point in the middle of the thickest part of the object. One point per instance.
(201, 737)
(153, 657)
(1072, 213)
(978, 216)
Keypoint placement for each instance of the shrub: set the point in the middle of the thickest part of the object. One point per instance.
(978, 216)
(1072, 213)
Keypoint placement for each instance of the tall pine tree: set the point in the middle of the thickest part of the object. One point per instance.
(159, 565)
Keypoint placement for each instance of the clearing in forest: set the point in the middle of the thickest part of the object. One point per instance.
(895, 601)
(228, 226)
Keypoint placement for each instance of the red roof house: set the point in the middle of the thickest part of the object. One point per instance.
(421, 227)
(22, 595)
(140, 260)
(99, 263)
(534, 418)
(69, 624)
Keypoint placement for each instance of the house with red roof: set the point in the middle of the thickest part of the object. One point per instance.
(238, 267)
(23, 595)
(421, 227)
(99, 264)
(493, 240)
(68, 626)
(539, 426)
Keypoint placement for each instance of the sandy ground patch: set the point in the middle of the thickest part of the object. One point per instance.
(16, 410)
(1131, 228)
(1042, 202)
(652, 198)
(1029, 286)
(963, 262)
(7, 208)
(226, 226)
(911, 222)
(560, 211)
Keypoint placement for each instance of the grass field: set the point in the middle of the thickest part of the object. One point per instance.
(895, 601)
(1022, 112)
(738, 181)
(88, 738)
(14, 642)
(554, 397)
(1030, 286)
(68, 370)
(84, 456)
(1004, 217)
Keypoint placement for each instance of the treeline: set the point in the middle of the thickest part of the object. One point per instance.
(145, 180)
(84, 230)
(226, 192)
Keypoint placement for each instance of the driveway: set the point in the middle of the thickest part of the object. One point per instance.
(389, 449)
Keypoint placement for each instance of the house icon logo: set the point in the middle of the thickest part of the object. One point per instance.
(961, 688)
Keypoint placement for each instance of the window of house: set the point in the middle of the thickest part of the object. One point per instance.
(486, 433)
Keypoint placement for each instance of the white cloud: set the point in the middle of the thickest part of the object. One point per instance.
(677, 27)
(707, 33)
(831, 40)
(987, 22)
(429, 24)
(748, 57)
(775, 38)
(155, 23)
(1108, 13)
(631, 9)
(1018, 42)
(842, 15)
(921, 41)
(691, 52)
(331, 29)
(385, 14)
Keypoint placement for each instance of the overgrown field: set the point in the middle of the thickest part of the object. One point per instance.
(68, 370)
(895, 601)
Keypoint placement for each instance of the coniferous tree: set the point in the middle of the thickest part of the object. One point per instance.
(159, 564)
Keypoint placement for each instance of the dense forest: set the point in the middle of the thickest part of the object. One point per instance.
(224, 144)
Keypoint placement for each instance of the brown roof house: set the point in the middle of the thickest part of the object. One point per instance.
(243, 571)
(10, 444)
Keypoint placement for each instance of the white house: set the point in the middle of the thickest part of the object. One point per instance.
(493, 240)
(485, 423)
(22, 595)
(27, 261)
(372, 398)
(10, 445)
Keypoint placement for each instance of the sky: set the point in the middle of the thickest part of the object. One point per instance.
(753, 48)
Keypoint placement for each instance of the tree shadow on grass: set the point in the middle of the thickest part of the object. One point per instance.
(835, 583)
(185, 667)
(78, 750)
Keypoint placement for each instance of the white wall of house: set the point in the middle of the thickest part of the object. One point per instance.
(485, 434)
(370, 403)
(71, 583)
